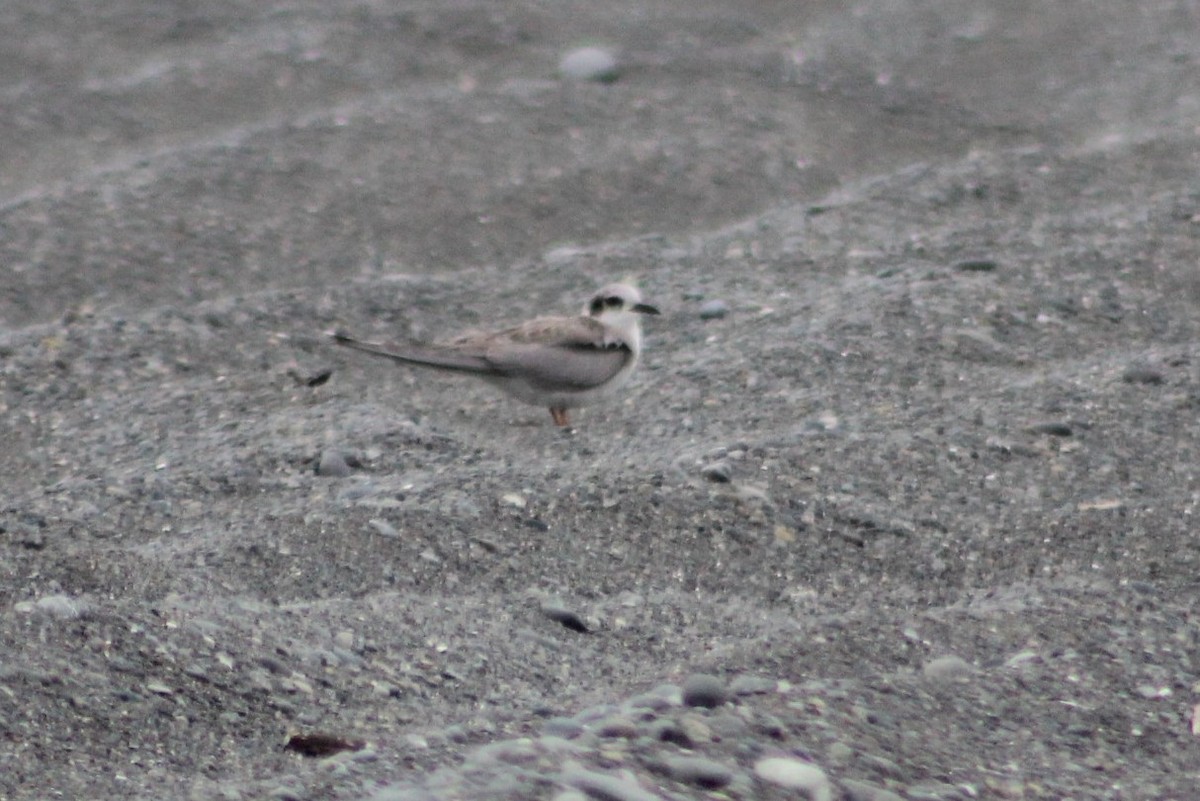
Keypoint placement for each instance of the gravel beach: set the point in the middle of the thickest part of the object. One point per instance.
(901, 503)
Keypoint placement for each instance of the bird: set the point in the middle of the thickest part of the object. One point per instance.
(560, 363)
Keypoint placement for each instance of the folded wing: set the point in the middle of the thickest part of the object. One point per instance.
(559, 353)
(553, 353)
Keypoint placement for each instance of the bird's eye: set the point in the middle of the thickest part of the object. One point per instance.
(597, 305)
(612, 301)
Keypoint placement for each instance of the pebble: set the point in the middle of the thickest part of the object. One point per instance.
(562, 727)
(795, 774)
(934, 791)
(333, 464)
(661, 697)
(976, 266)
(727, 727)
(513, 752)
(1143, 375)
(701, 689)
(1022, 658)
(514, 499)
(699, 771)
(881, 765)
(383, 528)
(570, 795)
(402, 793)
(752, 685)
(695, 729)
(713, 309)
(604, 787)
(617, 726)
(772, 727)
(556, 611)
(668, 731)
(718, 472)
(60, 606)
(840, 752)
(947, 667)
(865, 791)
(1054, 429)
(590, 64)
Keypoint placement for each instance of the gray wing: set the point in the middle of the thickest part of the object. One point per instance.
(570, 366)
(559, 353)
(550, 353)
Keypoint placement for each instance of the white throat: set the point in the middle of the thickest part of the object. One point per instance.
(627, 325)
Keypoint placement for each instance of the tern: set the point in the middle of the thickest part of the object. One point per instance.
(560, 363)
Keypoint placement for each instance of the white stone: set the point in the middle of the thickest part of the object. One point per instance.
(795, 774)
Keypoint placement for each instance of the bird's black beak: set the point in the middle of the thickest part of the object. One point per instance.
(644, 308)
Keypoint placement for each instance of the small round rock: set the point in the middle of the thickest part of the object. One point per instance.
(795, 774)
(605, 786)
(713, 309)
(720, 472)
(700, 771)
(60, 606)
(590, 64)
(333, 463)
(864, 791)
(701, 689)
(947, 667)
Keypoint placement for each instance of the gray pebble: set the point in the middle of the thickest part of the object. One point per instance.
(839, 752)
(752, 685)
(976, 266)
(713, 309)
(1052, 428)
(590, 64)
(617, 726)
(699, 771)
(603, 787)
(771, 726)
(333, 464)
(570, 795)
(661, 697)
(795, 774)
(933, 791)
(1143, 375)
(383, 528)
(718, 472)
(61, 606)
(596, 713)
(562, 727)
(947, 667)
(30, 534)
(402, 793)
(701, 689)
(727, 726)
(512, 752)
(865, 791)
(286, 793)
(695, 729)
(668, 731)
(881, 765)
(556, 611)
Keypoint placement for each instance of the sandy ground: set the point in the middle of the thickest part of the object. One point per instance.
(931, 478)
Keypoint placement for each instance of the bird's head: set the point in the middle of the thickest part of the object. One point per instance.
(620, 306)
(617, 299)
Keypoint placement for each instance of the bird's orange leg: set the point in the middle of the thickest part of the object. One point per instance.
(561, 417)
